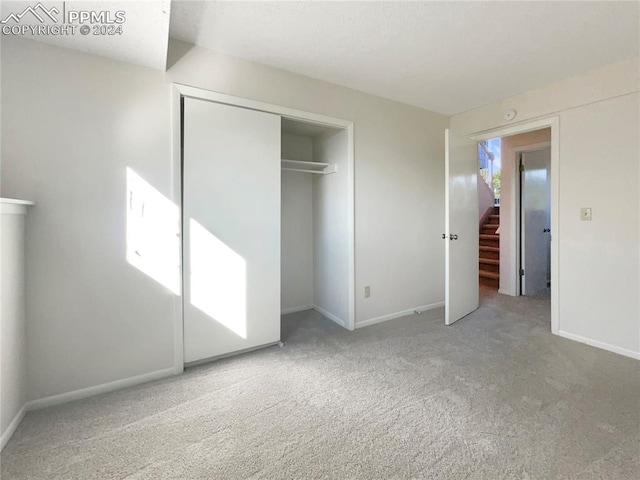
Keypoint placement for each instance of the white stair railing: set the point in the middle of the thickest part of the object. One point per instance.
(485, 168)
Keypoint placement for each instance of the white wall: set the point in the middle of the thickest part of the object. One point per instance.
(508, 204)
(13, 358)
(331, 228)
(599, 261)
(297, 227)
(399, 173)
(485, 197)
(72, 123)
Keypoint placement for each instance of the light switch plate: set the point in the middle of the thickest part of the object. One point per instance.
(585, 214)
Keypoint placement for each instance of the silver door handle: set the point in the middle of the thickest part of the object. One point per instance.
(453, 236)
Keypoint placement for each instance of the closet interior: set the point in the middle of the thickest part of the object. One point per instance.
(314, 219)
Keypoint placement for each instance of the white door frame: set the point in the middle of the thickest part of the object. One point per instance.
(529, 126)
(516, 243)
(178, 92)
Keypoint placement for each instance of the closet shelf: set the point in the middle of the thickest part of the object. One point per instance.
(309, 167)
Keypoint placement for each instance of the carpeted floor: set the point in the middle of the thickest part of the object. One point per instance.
(494, 396)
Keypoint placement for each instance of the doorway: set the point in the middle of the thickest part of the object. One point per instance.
(489, 184)
(461, 212)
(513, 148)
(515, 252)
(314, 235)
(534, 246)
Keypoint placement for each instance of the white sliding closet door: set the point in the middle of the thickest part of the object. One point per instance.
(231, 212)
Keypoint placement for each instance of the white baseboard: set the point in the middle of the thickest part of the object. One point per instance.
(403, 313)
(598, 344)
(330, 316)
(13, 426)
(286, 311)
(202, 361)
(99, 389)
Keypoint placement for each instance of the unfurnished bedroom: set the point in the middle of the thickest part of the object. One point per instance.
(304, 240)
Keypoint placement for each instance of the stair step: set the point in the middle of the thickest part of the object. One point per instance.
(490, 283)
(484, 242)
(493, 275)
(489, 267)
(488, 236)
(489, 261)
(489, 251)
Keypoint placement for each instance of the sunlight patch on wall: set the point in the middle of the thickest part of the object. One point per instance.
(153, 232)
(218, 280)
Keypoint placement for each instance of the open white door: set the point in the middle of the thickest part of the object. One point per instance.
(231, 224)
(461, 227)
(536, 218)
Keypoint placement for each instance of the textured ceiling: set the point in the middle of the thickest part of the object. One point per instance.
(443, 56)
(143, 41)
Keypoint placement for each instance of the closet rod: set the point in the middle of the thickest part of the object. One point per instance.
(321, 172)
(300, 163)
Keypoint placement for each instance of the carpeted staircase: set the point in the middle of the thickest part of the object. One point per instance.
(490, 250)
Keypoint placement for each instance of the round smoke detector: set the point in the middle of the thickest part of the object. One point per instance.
(510, 114)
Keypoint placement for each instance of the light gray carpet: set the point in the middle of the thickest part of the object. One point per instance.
(495, 396)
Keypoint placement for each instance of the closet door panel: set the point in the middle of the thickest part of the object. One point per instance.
(231, 222)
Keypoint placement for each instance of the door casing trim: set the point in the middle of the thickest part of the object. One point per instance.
(180, 91)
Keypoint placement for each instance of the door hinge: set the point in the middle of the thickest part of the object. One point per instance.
(521, 272)
(522, 167)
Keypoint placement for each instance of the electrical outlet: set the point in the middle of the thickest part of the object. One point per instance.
(585, 214)
(367, 291)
